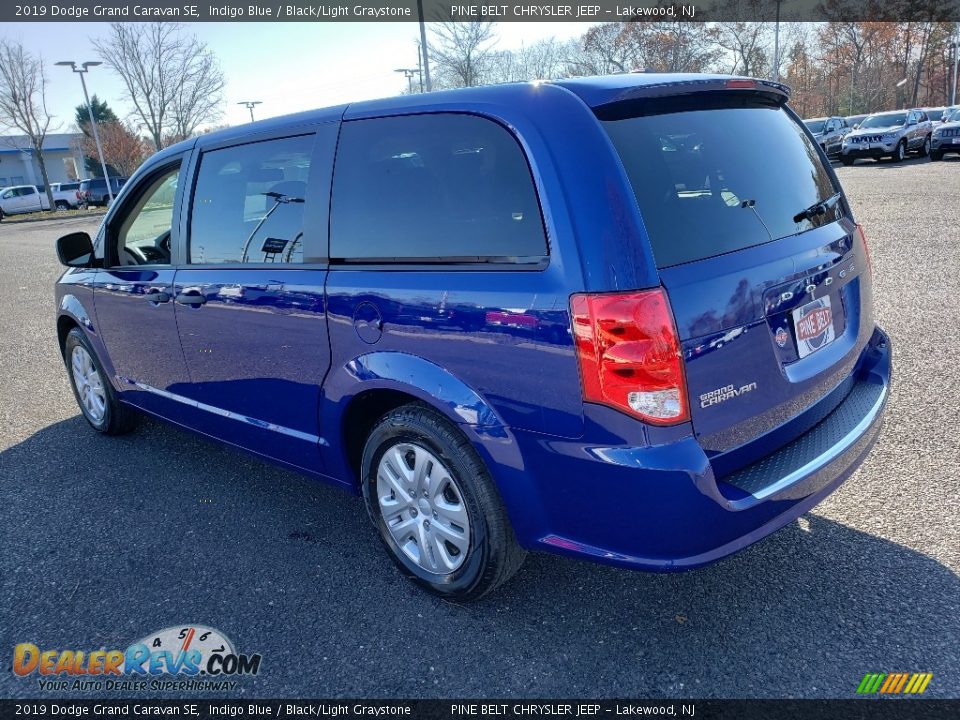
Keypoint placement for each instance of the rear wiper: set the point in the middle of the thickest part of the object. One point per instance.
(818, 208)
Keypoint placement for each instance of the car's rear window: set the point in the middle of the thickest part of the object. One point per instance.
(713, 181)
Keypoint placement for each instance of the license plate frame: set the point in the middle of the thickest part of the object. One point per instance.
(813, 326)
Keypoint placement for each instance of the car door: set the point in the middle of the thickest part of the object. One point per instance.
(250, 299)
(914, 139)
(29, 199)
(133, 293)
(10, 201)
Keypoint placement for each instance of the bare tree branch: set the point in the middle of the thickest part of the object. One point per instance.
(23, 100)
(173, 80)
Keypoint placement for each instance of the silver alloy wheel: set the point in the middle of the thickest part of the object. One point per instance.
(926, 146)
(90, 388)
(423, 508)
(901, 151)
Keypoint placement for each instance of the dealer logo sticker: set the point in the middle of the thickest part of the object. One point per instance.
(782, 337)
(182, 657)
(814, 326)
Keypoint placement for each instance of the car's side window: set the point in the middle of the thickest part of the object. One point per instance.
(24, 191)
(143, 231)
(429, 188)
(248, 203)
(9, 194)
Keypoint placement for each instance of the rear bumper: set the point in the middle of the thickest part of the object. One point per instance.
(662, 508)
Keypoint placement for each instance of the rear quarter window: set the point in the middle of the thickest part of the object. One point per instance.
(720, 179)
(428, 188)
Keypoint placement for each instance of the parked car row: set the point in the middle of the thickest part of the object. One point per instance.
(893, 134)
(19, 199)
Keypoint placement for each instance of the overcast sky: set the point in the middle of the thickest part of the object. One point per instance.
(287, 66)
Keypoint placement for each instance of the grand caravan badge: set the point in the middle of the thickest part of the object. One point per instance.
(715, 397)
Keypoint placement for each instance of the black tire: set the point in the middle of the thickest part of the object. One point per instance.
(847, 161)
(936, 155)
(117, 418)
(493, 555)
(925, 148)
(900, 153)
(62, 205)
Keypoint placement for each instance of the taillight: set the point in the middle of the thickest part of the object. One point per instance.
(866, 248)
(630, 355)
(741, 85)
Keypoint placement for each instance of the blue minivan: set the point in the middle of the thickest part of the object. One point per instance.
(626, 319)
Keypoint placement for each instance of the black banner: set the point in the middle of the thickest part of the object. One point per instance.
(861, 709)
(443, 10)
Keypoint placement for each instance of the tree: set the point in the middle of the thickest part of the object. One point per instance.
(101, 113)
(460, 51)
(23, 100)
(173, 80)
(123, 149)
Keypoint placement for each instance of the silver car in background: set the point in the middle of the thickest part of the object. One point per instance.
(828, 132)
(890, 134)
(946, 135)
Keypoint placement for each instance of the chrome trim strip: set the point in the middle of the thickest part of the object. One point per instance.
(262, 424)
(832, 454)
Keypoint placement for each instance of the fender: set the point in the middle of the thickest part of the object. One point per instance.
(430, 382)
(72, 306)
(490, 436)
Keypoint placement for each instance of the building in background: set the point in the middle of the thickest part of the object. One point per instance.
(61, 152)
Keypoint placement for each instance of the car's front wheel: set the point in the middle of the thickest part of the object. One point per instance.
(900, 153)
(95, 396)
(936, 155)
(435, 506)
(846, 160)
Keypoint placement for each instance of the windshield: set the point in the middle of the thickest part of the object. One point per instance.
(934, 114)
(815, 125)
(882, 121)
(714, 181)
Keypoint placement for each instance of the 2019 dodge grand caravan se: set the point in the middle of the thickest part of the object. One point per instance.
(626, 319)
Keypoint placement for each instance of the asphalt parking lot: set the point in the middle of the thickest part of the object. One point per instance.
(107, 539)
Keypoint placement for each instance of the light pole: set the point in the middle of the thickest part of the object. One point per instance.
(901, 94)
(408, 73)
(250, 105)
(776, 46)
(955, 45)
(83, 69)
(425, 60)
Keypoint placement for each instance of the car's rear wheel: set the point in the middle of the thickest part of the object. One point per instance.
(900, 153)
(95, 396)
(925, 150)
(62, 205)
(435, 505)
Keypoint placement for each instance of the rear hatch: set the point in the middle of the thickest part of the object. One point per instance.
(765, 270)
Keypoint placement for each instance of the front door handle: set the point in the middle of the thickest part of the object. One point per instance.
(156, 296)
(194, 299)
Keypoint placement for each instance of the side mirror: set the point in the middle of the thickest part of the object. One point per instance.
(75, 250)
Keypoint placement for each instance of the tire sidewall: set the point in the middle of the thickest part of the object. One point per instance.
(408, 430)
(74, 339)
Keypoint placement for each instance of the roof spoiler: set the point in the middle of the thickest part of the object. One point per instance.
(770, 90)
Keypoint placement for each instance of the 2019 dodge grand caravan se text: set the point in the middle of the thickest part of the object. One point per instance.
(626, 319)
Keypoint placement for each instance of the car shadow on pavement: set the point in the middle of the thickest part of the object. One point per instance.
(108, 539)
(887, 164)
